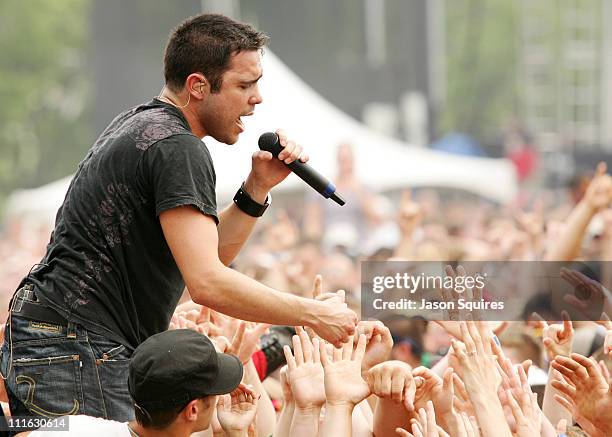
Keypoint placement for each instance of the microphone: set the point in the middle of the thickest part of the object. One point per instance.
(270, 143)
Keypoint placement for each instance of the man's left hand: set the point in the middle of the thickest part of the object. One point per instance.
(267, 171)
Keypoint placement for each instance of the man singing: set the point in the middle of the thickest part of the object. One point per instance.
(139, 223)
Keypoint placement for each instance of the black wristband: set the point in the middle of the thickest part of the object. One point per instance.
(247, 205)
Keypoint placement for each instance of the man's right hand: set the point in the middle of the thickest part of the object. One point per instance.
(333, 321)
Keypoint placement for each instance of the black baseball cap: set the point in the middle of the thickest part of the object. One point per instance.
(174, 367)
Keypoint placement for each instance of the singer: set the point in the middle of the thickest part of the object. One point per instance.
(140, 222)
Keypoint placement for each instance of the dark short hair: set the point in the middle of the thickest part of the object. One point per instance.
(161, 419)
(205, 43)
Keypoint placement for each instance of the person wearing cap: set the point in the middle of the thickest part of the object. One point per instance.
(174, 380)
(139, 223)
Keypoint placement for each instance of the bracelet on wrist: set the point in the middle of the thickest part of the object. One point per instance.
(246, 204)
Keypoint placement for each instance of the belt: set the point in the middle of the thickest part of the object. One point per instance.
(34, 310)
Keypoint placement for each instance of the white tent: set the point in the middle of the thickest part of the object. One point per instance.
(382, 162)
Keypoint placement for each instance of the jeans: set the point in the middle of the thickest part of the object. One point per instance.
(56, 370)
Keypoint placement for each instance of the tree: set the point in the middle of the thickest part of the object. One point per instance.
(482, 37)
(44, 117)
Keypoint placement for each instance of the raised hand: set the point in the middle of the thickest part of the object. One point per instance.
(461, 402)
(584, 392)
(305, 372)
(473, 359)
(450, 398)
(469, 426)
(425, 425)
(599, 192)
(410, 214)
(524, 406)
(286, 385)
(441, 391)
(393, 380)
(343, 381)
(221, 344)
(226, 325)
(317, 292)
(450, 295)
(532, 222)
(196, 320)
(557, 339)
(429, 389)
(511, 379)
(236, 411)
(281, 234)
(246, 340)
(408, 219)
(594, 294)
(604, 370)
(217, 430)
(285, 418)
(475, 363)
(379, 343)
(453, 315)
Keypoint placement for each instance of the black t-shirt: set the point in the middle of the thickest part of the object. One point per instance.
(108, 266)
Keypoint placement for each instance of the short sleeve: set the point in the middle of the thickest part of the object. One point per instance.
(180, 171)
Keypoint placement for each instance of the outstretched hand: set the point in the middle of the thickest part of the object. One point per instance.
(393, 380)
(584, 392)
(425, 425)
(589, 295)
(410, 214)
(474, 361)
(343, 381)
(453, 315)
(523, 403)
(441, 391)
(305, 372)
(196, 320)
(317, 292)
(598, 194)
(557, 339)
(473, 358)
(236, 411)
(246, 340)
(286, 385)
(379, 343)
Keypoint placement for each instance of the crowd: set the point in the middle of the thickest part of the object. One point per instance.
(405, 376)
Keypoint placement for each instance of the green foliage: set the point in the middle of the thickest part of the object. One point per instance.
(44, 116)
(481, 38)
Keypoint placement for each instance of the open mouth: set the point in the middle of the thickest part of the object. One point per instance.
(239, 121)
(240, 124)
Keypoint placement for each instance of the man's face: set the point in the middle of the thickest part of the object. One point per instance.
(220, 112)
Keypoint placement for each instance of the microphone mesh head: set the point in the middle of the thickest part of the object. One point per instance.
(267, 140)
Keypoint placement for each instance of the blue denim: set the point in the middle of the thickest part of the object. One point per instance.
(60, 370)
